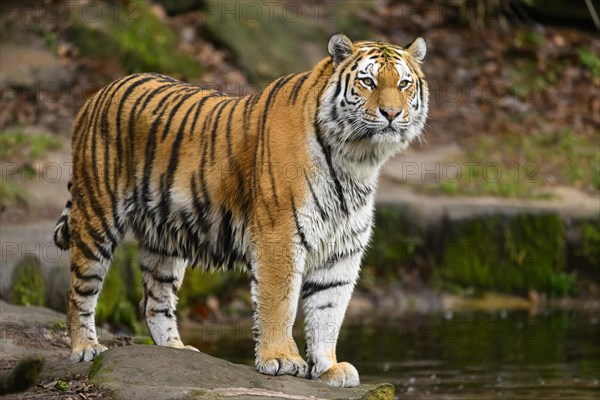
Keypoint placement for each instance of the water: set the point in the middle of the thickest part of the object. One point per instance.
(507, 355)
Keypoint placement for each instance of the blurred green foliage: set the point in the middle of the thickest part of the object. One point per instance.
(199, 284)
(12, 192)
(590, 248)
(27, 147)
(28, 287)
(122, 290)
(590, 60)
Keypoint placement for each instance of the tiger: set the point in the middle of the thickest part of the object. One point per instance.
(280, 183)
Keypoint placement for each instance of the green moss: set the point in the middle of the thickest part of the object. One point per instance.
(28, 287)
(143, 340)
(590, 247)
(96, 365)
(396, 244)
(122, 290)
(140, 41)
(511, 255)
(586, 256)
(58, 326)
(383, 391)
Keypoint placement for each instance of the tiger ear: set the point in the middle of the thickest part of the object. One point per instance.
(417, 49)
(339, 48)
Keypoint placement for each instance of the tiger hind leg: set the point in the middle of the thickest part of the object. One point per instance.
(162, 277)
(90, 258)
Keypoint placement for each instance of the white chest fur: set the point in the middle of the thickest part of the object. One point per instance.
(337, 216)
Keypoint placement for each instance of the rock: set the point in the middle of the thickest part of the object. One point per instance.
(12, 314)
(35, 332)
(34, 239)
(143, 372)
(31, 67)
(149, 372)
(28, 286)
(22, 376)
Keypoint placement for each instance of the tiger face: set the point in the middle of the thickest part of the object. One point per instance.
(378, 100)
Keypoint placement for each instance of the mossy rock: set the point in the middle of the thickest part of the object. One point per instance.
(270, 40)
(135, 372)
(584, 249)
(397, 243)
(28, 287)
(136, 37)
(510, 254)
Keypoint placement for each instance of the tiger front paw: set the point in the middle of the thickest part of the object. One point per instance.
(86, 352)
(178, 344)
(282, 364)
(340, 375)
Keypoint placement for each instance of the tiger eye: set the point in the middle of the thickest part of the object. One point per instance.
(404, 83)
(368, 82)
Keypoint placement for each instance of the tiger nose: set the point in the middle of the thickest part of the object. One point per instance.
(390, 113)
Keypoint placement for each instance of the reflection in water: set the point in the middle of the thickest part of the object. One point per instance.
(464, 355)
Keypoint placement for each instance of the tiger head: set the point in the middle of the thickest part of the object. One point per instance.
(377, 100)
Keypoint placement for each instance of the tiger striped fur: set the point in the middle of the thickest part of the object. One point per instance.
(280, 183)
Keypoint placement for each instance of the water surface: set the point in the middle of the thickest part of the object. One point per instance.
(508, 355)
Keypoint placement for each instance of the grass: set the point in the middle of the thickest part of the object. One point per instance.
(19, 150)
(17, 145)
(524, 166)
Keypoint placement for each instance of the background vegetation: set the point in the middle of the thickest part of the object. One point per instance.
(515, 84)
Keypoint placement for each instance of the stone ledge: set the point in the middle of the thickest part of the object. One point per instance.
(143, 372)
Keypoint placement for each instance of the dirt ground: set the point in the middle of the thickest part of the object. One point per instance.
(41, 332)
